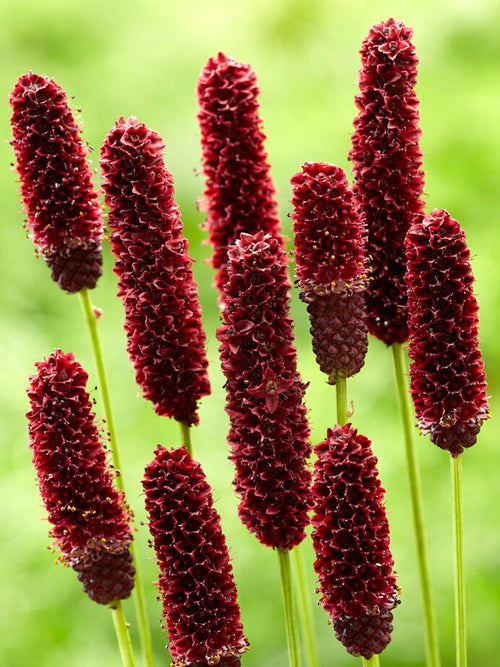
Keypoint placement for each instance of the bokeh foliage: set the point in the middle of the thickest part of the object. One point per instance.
(143, 59)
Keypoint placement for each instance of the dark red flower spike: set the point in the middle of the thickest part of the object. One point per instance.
(196, 582)
(239, 194)
(331, 267)
(268, 425)
(448, 383)
(63, 215)
(89, 515)
(387, 163)
(165, 338)
(351, 542)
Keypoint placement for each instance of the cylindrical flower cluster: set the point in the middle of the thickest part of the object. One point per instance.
(351, 542)
(165, 338)
(200, 602)
(89, 515)
(448, 383)
(387, 165)
(239, 194)
(63, 215)
(331, 267)
(268, 425)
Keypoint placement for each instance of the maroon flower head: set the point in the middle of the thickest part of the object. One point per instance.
(351, 541)
(239, 194)
(63, 215)
(387, 165)
(268, 425)
(448, 383)
(196, 582)
(165, 338)
(331, 273)
(89, 516)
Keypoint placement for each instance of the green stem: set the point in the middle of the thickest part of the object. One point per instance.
(290, 619)
(186, 437)
(432, 647)
(371, 662)
(460, 630)
(139, 597)
(341, 395)
(121, 629)
(305, 608)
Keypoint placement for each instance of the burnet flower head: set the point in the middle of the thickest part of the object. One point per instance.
(63, 215)
(351, 542)
(387, 167)
(90, 519)
(269, 431)
(448, 383)
(165, 337)
(196, 583)
(239, 193)
(331, 267)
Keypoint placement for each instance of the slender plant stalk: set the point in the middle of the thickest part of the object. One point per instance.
(432, 647)
(305, 608)
(139, 597)
(341, 394)
(460, 630)
(121, 629)
(186, 438)
(288, 604)
(372, 662)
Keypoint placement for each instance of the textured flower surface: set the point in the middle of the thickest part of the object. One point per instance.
(448, 383)
(351, 542)
(63, 215)
(387, 163)
(331, 274)
(239, 194)
(165, 338)
(196, 582)
(89, 516)
(268, 425)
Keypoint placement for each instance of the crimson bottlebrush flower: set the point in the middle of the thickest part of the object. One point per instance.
(200, 602)
(351, 542)
(165, 338)
(331, 273)
(89, 515)
(268, 425)
(63, 215)
(239, 194)
(448, 383)
(387, 165)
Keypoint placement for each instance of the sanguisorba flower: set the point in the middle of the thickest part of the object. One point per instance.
(448, 383)
(200, 602)
(351, 542)
(165, 337)
(268, 425)
(90, 519)
(63, 215)
(239, 194)
(387, 170)
(331, 267)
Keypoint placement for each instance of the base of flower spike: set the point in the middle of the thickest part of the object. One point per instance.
(76, 264)
(365, 636)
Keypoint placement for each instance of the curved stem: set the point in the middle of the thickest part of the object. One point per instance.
(186, 437)
(139, 597)
(121, 629)
(341, 394)
(460, 629)
(305, 609)
(290, 619)
(432, 647)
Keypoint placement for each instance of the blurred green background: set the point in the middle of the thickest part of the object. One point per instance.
(143, 59)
